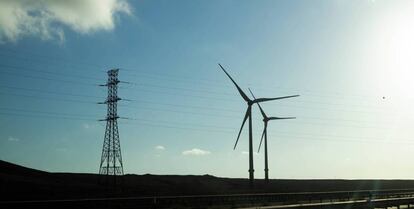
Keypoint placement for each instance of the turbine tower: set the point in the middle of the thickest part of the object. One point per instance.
(266, 119)
(248, 115)
(111, 160)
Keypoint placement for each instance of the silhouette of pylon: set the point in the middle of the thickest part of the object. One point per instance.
(111, 160)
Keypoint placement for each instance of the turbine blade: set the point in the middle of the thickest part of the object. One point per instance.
(241, 128)
(245, 97)
(270, 99)
(281, 118)
(260, 107)
(261, 140)
(252, 93)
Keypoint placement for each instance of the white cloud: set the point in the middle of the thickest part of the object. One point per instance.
(13, 139)
(46, 18)
(196, 152)
(160, 148)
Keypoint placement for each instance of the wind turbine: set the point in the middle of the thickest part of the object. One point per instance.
(248, 115)
(266, 119)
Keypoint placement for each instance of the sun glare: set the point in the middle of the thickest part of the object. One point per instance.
(394, 45)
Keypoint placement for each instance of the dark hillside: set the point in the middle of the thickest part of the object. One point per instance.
(17, 182)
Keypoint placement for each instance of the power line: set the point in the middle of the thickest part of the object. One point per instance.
(201, 127)
(195, 96)
(50, 92)
(177, 127)
(48, 112)
(187, 112)
(156, 86)
(47, 116)
(49, 98)
(201, 114)
(179, 105)
(232, 100)
(199, 80)
(181, 89)
(198, 113)
(190, 95)
(228, 94)
(50, 59)
(45, 78)
(208, 83)
(4, 67)
(227, 99)
(345, 139)
(292, 136)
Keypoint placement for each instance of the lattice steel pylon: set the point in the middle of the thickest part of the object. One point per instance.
(111, 160)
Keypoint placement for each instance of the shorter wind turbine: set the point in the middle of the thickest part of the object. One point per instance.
(266, 119)
(248, 115)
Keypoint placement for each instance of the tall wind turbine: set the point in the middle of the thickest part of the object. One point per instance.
(248, 115)
(266, 119)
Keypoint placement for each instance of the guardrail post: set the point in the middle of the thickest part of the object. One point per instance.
(154, 202)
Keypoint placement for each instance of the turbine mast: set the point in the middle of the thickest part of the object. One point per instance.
(266, 159)
(251, 167)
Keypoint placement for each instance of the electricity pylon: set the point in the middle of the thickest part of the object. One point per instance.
(111, 160)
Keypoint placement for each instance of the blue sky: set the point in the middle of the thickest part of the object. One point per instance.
(351, 62)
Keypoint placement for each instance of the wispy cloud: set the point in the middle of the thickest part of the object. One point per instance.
(47, 18)
(86, 126)
(196, 152)
(159, 148)
(13, 139)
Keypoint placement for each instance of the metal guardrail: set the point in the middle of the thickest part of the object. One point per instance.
(215, 201)
(354, 204)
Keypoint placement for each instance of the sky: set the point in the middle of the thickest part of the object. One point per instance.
(350, 61)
